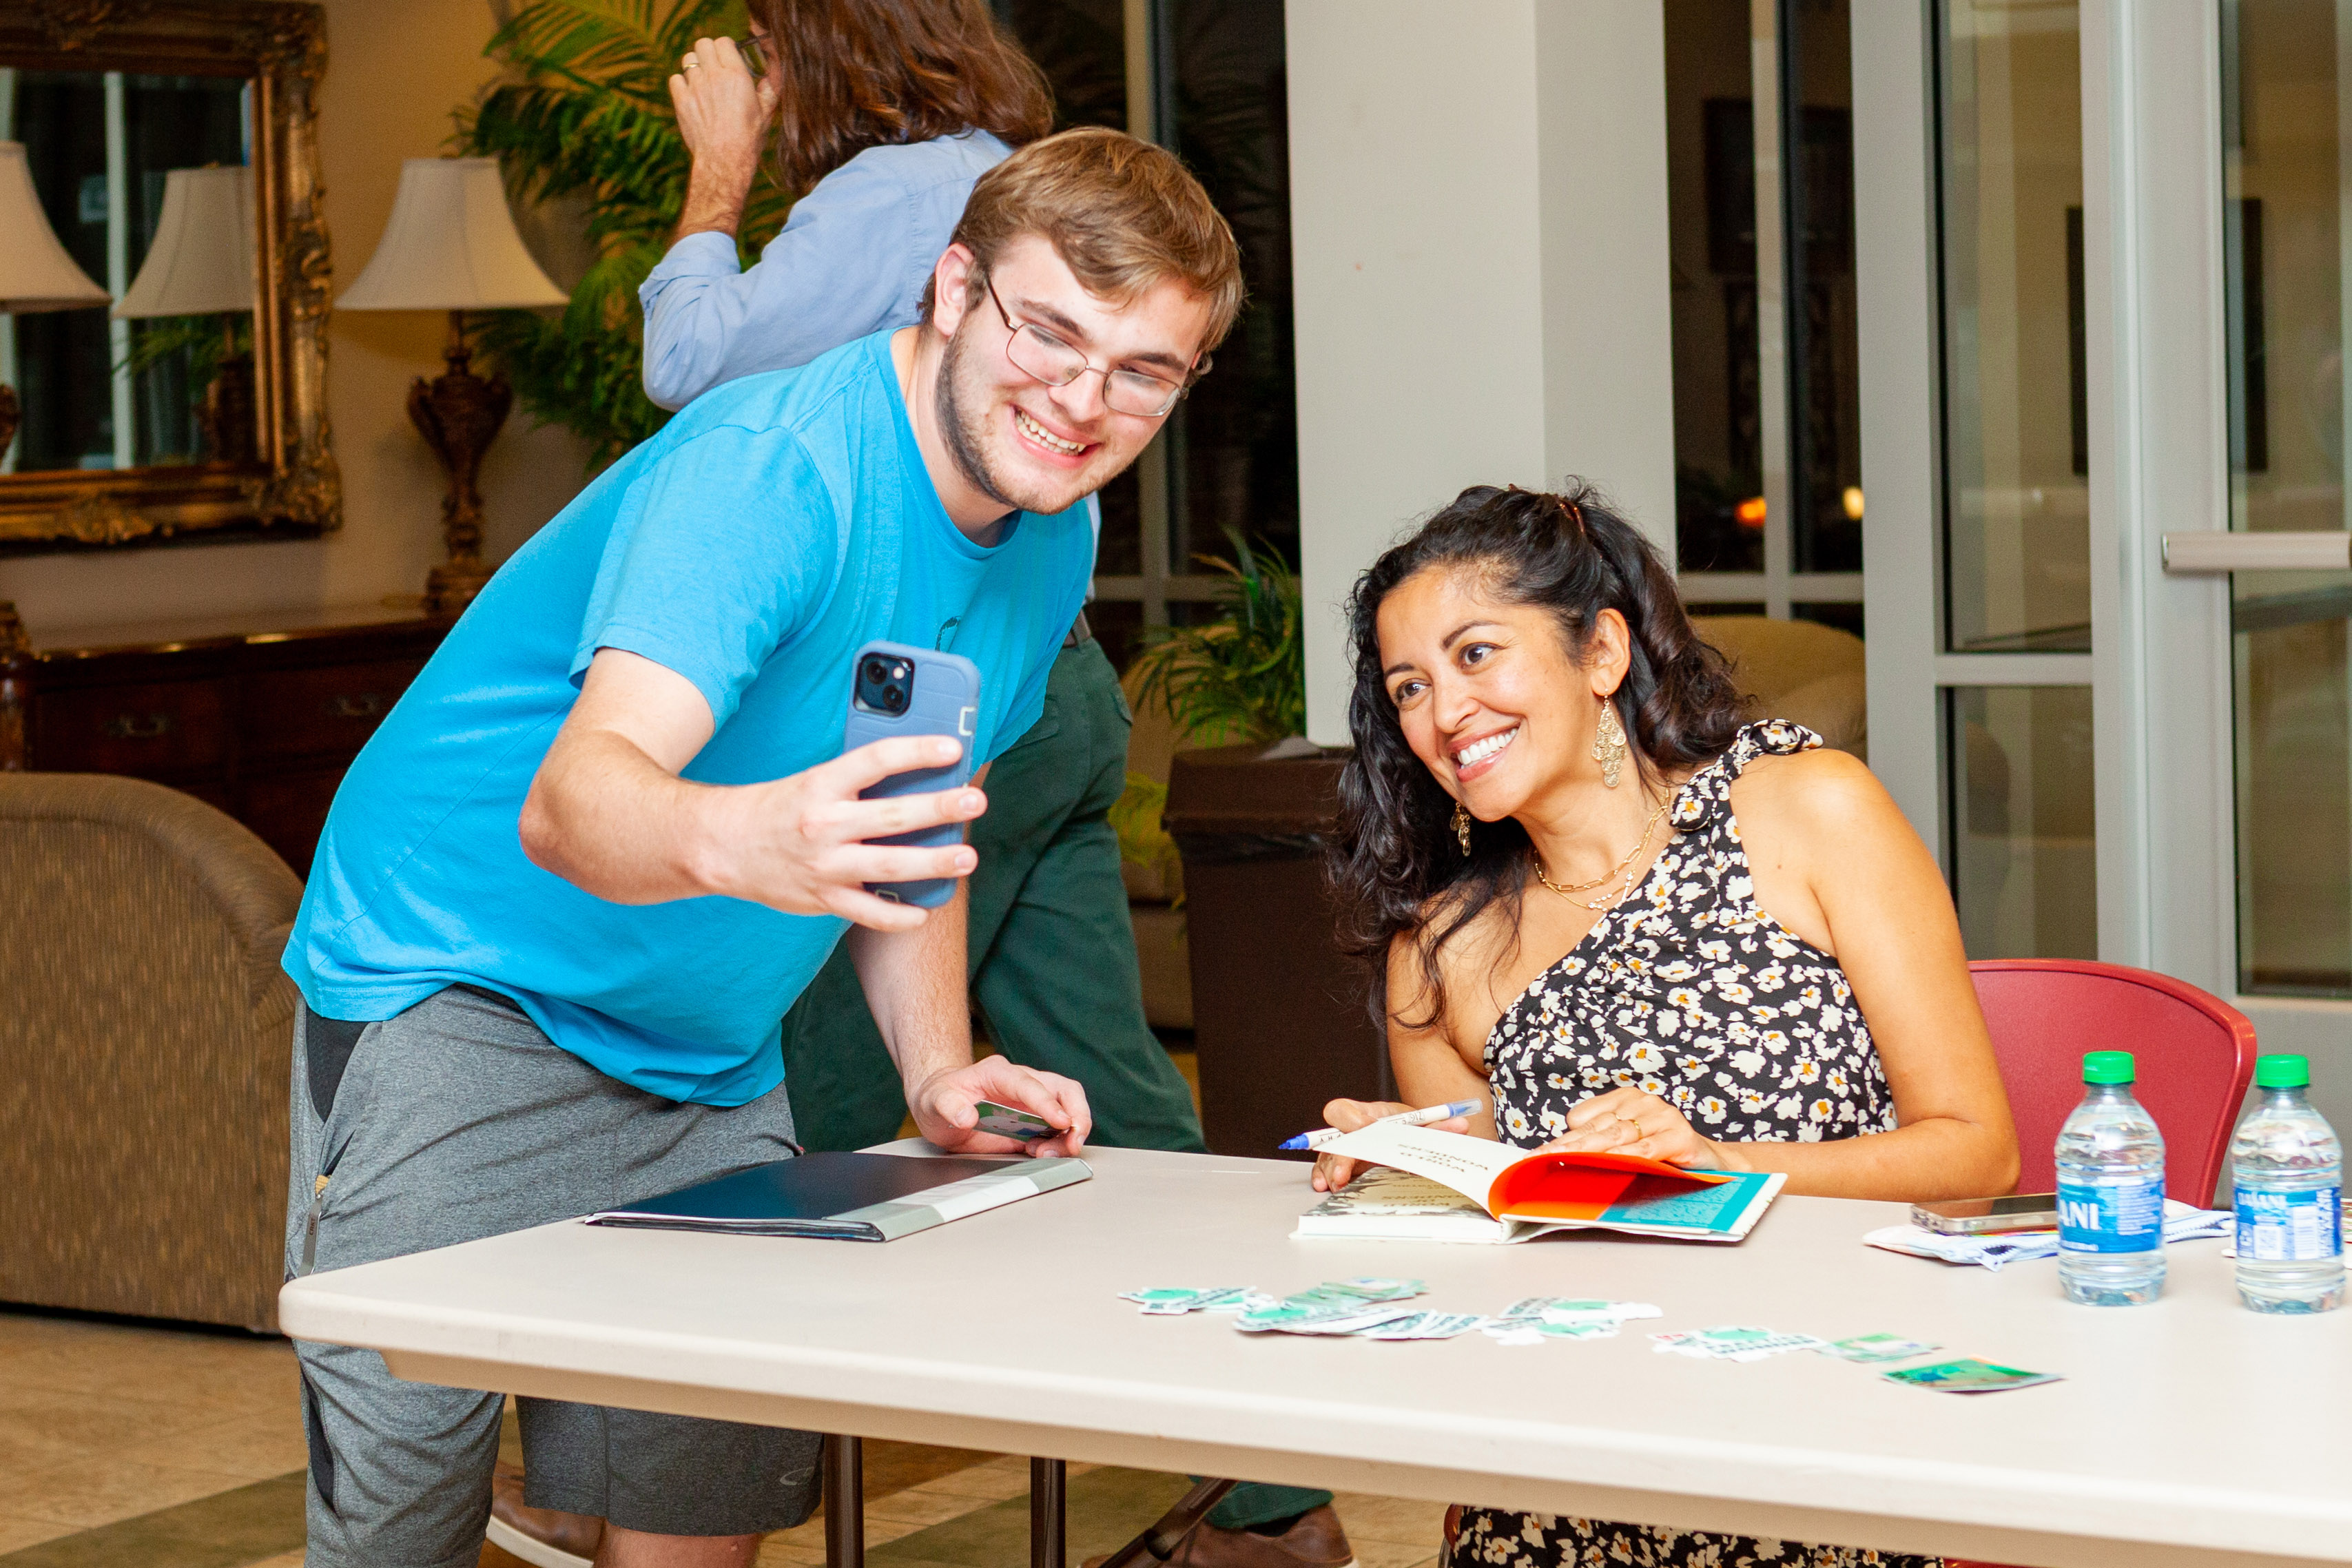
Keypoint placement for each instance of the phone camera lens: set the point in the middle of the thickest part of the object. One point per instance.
(894, 699)
(875, 671)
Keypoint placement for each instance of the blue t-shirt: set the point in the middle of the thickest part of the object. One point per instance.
(753, 546)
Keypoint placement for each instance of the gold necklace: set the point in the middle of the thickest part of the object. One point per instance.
(1623, 867)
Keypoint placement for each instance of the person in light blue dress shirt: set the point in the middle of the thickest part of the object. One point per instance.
(852, 260)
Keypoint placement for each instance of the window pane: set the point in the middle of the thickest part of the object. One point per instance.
(2017, 501)
(2023, 846)
(2295, 759)
(1845, 615)
(63, 360)
(1234, 443)
(1825, 468)
(1081, 46)
(2283, 246)
(1711, 236)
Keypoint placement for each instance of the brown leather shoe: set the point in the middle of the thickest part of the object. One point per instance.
(1317, 1541)
(546, 1536)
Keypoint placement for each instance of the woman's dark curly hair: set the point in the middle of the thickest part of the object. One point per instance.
(1396, 865)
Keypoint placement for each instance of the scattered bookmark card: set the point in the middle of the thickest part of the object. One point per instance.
(1969, 1375)
(1175, 1300)
(1877, 1347)
(1427, 1326)
(1734, 1344)
(1011, 1122)
(1335, 1307)
(1534, 1319)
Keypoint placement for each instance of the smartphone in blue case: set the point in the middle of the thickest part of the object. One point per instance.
(894, 689)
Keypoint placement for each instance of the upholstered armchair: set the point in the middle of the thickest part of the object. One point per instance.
(145, 1030)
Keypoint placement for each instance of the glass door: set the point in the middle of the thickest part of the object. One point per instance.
(2286, 126)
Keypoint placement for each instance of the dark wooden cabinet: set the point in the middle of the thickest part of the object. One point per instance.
(260, 719)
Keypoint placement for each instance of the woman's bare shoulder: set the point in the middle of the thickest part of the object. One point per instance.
(1820, 795)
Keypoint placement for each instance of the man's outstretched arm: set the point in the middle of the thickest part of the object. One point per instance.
(608, 812)
(915, 984)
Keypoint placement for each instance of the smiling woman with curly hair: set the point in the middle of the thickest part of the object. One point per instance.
(1587, 891)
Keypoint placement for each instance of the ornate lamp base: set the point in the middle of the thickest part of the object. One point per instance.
(458, 413)
(9, 413)
(451, 587)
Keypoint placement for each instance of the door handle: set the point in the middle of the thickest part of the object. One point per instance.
(138, 726)
(2201, 550)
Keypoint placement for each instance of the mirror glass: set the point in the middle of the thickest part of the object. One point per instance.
(98, 393)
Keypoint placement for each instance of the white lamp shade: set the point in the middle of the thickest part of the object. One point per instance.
(202, 260)
(451, 246)
(36, 273)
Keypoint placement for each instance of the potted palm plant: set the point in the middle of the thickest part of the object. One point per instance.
(583, 116)
(1277, 1025)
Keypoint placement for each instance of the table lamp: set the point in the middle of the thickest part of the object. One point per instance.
(36, 273)
(201, 264)
(452, 245)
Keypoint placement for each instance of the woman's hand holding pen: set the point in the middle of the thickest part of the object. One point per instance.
(1628, 1121)
(1333, 1172)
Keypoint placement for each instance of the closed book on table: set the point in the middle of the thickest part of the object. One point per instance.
(848, 1196)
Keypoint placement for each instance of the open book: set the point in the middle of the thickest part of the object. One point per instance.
(1427, 1185)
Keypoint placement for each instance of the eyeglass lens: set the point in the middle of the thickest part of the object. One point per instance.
(1057, 364)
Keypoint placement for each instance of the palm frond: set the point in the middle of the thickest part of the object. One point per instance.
(1242, 676)
(586, 111)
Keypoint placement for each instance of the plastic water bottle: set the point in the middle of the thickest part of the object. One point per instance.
(2110, 1192)
(2289, 1172)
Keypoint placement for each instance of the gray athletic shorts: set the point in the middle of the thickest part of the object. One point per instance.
(459, 1120)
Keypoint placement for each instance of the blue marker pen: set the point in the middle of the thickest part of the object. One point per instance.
(1322, 1135)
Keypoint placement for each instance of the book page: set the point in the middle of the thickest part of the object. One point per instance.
(1469, 1165)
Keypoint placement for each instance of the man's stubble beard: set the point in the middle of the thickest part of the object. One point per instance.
(966, 431)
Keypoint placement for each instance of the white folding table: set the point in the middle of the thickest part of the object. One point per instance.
(2191, 1431)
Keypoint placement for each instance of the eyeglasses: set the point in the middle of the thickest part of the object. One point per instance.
(1045, 357)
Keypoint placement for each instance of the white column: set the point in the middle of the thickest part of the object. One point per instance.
(1479, 228)
(1895, 276)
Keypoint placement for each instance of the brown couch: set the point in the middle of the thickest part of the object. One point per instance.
(144, 1042)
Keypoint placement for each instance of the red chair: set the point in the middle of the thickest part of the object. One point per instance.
(2196, 1056)
(2195, 1053)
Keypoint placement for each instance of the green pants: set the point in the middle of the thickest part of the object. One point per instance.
(1052, 966)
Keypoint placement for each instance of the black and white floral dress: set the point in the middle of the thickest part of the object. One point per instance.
(1687, 990)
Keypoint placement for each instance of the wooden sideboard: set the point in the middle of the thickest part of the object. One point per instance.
(259, 720)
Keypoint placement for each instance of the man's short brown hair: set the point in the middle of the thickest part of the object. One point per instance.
(1123, 214)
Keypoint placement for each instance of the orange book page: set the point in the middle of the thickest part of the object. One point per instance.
(1577, 1187)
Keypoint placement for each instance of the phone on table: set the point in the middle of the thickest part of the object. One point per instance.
(900, 690)
(1987, 1216)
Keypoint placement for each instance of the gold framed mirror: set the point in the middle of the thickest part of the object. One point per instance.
(140, 426)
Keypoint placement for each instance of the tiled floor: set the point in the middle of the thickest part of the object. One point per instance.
(142, 1445)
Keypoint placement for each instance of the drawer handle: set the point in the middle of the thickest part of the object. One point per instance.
(138, 726)
(367, 705)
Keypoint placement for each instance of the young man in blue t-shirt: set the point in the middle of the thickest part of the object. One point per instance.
(586, 865)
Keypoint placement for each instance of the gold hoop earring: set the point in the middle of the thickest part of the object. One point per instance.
(1462, 825)
(1608, 745)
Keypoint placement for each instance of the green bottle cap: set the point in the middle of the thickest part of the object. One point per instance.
(2108, 1067)
(2282, 1072)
